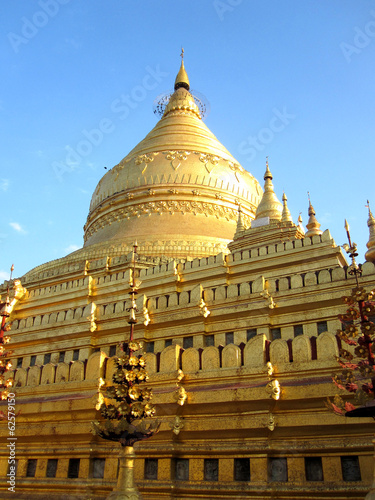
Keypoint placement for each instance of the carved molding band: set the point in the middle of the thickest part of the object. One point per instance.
(171, 207)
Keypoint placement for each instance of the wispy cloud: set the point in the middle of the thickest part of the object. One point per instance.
(17, 227)
(4, 184)
(72, 42)
(91, 165)
(40, 153)
(325, 218)
(71, 248)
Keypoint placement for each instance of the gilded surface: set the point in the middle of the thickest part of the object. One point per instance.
(227, 426)
(167, 206)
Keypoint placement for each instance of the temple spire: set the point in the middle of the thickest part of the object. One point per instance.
(370, 254)
(286, 215)
(300, 225)
(312, 225)
(182, 79)
(240, 224)
(269, 205)
(181, 100)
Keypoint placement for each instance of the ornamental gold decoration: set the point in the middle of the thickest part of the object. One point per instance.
(237, 169)
(177, 425)
(176, 157)
(6, 309)
(271, 424)
(273, 387)
(358, 370)
(144, 160)
(210, 161)
(126, 402)
(169, 206)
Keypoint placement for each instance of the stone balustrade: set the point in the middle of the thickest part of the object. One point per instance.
(254, 354)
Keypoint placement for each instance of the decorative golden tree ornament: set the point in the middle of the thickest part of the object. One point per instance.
(126, 403)
(5, 364)
(358, 370)
(358, 330)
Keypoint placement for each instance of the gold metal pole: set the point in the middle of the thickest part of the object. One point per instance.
(125, 489)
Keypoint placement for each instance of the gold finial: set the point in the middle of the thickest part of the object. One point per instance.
(312, 225)
(269, 205)
(286, 215)
(267, 174)
(370, 254)
(351, 249)
(182, 79)
(371, 217)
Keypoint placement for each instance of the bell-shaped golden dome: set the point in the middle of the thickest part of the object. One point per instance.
(177, 192)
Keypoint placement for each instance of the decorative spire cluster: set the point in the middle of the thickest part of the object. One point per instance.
(271, 208)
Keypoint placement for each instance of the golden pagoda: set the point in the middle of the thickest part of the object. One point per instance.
(237, 308)
(178, 169)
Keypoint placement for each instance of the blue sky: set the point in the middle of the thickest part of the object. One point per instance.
(66, 64)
